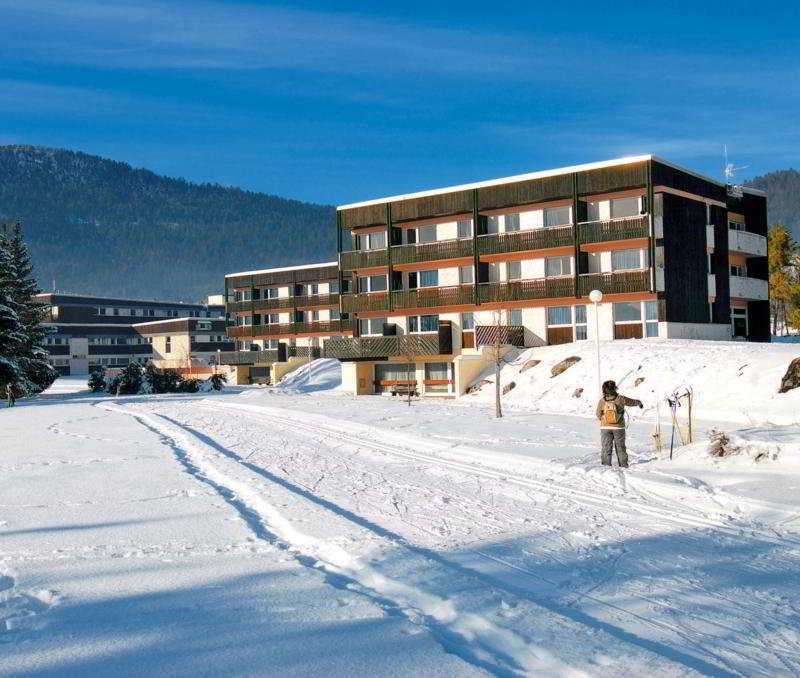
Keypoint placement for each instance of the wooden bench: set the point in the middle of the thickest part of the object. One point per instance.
(405, 389)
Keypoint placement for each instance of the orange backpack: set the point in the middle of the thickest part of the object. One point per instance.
(611, 413)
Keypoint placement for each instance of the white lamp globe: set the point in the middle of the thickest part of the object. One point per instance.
(595, 296)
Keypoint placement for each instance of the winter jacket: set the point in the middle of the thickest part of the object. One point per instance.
(621, 402)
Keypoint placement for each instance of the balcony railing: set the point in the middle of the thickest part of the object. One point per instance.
(312, 352)
(247, 357)
(276, 303)
(499, 335)
(749, 288)
(432, 251)
(519, 241)
(521, 290)
(275, 329)
(366, 301)
(411, 345)
(625, 228)
(431, 297)
(749, 243)
(615, 283)
(350, 261)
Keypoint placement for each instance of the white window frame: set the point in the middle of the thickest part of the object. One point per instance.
(567, 258)
(417, 319)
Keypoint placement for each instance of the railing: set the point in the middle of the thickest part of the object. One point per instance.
(749, 243)
(322, 327)
(410, 345)
(749, 288)
(247, 357)
(521, 290)
(432, 251)
(312, 352)
(431, 297)
(355, 259)
(614, 283)
(533, 239)
(365, 301)
(624, 228)
(276, 303)
(498, 335)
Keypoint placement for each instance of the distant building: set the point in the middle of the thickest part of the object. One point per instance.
(185, 342)
(99, 331)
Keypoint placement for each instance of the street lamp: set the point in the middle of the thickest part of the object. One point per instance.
(596, 296)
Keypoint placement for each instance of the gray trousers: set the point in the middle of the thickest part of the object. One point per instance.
(613, 437)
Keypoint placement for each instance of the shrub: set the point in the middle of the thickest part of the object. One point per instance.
(97, 380)
(217, 380)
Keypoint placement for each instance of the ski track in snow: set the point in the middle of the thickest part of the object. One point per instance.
(468, 635)
(738, 652)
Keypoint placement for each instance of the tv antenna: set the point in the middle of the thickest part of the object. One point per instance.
(729, 170)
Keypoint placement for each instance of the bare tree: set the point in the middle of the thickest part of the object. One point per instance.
(497, 356)
(410, 353)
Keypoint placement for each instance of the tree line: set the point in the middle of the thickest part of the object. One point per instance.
(24, 365)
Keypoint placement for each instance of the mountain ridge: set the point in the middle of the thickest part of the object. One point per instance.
(101, 226)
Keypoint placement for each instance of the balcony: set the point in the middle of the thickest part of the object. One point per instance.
(248, 357)
(278, 303)
(522, 290)
(311, 352)
(749, 288)
(432, 251)
(626, 228)
(432, 297)
(620, 282)
(499, 335)
(407, 345)
(748, 243)
(520, 241)
(356, 259)
(279, 329)
(365, 301)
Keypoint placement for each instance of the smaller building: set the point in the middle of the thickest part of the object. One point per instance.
(185, 342)
(92, 332)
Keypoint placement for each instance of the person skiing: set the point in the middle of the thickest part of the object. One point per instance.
(611, 413)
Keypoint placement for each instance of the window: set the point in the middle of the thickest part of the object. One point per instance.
(627, 311)
(651, 318)
(271, 343)
(423, 323)
(372, 283)
(429, 278)
(624, 207)
(372, 241)
(593, 211)
(512, 222)
(465, 228)
(580, 314)
(740, 271)
(426, 233)
(333, 287)
(554, 266)
(513, 270)
(466, 275)
(315, 316)
(313, 289)
(371, 326)
(622, 260)
(516, 316)
(735, 226)
(168, 346)
(559, 315)
(467, 321)
(557, 216)
(435, 374)
(271, 318)
(335, 315)
(493, 224)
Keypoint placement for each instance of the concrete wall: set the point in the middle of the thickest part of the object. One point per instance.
(709, 331)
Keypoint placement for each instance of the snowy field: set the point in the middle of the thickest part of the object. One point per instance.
(299, 531)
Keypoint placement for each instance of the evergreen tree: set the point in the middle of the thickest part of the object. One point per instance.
(97, 380)
(25, 288)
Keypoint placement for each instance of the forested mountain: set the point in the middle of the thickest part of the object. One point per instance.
(783, 198)
(97, 226)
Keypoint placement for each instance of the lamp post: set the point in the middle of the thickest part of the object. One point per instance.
(216, 371)
(596, 296)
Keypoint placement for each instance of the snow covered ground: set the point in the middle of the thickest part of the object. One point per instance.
(296, 530)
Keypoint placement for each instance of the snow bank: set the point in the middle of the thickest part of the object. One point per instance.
(732, 381)
(323, 374)
(774, 445)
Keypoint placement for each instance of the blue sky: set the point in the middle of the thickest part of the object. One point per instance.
(337, 102)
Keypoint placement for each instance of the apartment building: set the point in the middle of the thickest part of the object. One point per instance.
(441, 275)
(185, 342)
(279, 318)
(92, 332)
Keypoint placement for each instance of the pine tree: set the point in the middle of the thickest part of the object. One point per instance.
(25, 288)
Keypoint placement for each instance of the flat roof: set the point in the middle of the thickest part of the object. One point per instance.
(175, 320)
(626, 160)
(122, 300)
(282, 269)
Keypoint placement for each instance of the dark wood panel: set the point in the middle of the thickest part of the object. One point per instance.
(369, 215)
(632, 331)
(432, 206)
(525, 192)
(559, 335)
(758, 320)
(685, 261)
(721, 308)
(610, 179)
(683, 181)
